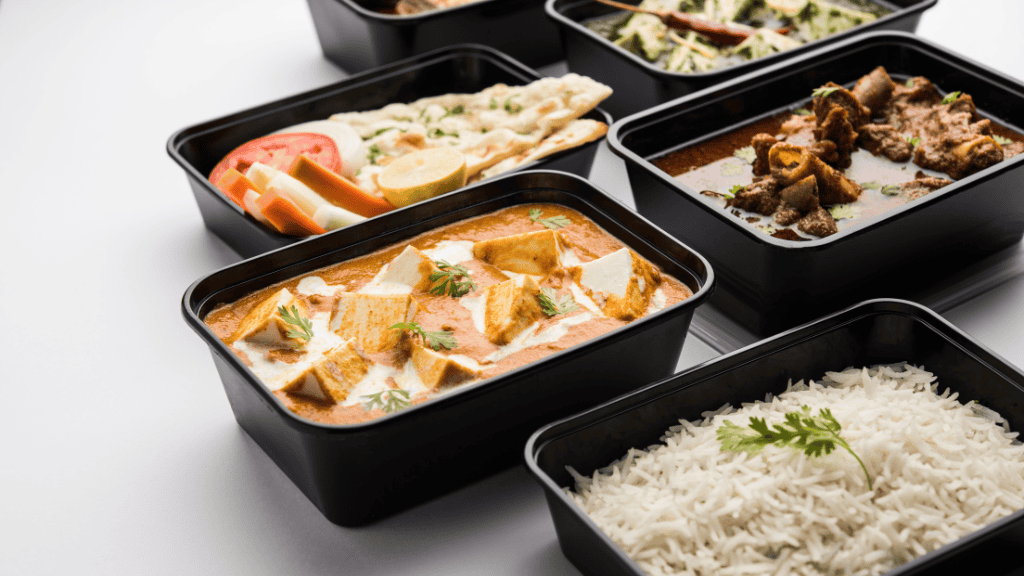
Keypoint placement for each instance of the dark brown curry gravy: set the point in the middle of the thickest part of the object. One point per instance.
(437, 312)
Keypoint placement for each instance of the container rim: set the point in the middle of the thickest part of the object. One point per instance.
(413, 18)
(479, 51)
(711, 76)
(624, 126)
(218, 347)
(710, 369)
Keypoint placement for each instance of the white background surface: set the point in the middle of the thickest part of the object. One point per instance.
(120, 453)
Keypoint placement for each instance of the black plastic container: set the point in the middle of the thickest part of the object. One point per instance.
(873, 332)
(357, 38)
(639, 84)
(768, 284)
(458, 69)
(356, 474)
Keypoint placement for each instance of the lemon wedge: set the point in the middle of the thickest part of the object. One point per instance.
(423, 174)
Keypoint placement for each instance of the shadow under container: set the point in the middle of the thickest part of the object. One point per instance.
(871, 333)
(358, 473)
(358, 38)
(769, 284)
(458, 69)
(640, 84)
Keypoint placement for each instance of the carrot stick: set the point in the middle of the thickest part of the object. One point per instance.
(234, 184)
(337, 189)
(286, 216)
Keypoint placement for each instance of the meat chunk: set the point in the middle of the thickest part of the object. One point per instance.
(923, 185)
(826, 150)
(791, 163)
(955, 140)
(837, 129)
(760, 196)
(762, 143)
(840, 97)
(874, 90)
(884, 140)
(785, 216)
(799, 130)
(802, 196)
(818, 223)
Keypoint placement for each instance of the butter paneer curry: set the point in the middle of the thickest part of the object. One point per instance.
(449, 308)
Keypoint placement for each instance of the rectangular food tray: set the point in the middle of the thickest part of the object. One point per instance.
(768, 284)
(357, 38)
(870, 333)
(358, 473)
(457, 69)
(639, 84)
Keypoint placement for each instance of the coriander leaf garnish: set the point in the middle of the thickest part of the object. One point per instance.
(437, 133)
(843, 211)
(872, 185)
(379, 132)
(552, 223)
(909, 83)
(892, 190)
(375, 151)
(435, 339)
(746, 153)
(453, 111)
(736, 189)
(951, 97)
(513, 107)
(1001, 140)
(824, 91)
(914, 140)
(812, 435)
(295, 318)
(494, 104)
(448, 275)
(802, 112)
(396, 400)
(402, 119)
(552, 304)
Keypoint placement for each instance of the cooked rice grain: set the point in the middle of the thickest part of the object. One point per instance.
(940, 469)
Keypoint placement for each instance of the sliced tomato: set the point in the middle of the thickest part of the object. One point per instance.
(280, 151)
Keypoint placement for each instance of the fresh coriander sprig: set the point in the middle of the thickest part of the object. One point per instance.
(449, 276)
(891, 190)
(812, 435)
(375, 151)
(553, 223)
(435, 340)
(395, 400)
(1002, 141)
(951, 97)
(552, 304)
(295, 318)
(736, 189)
(802, 112)
(914, 140)
(513, 107)
(824, 91)
(746, 153)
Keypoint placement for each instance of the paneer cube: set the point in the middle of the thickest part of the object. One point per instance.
(437, 370)
(409, 271)
(509, 307)
(332, 377)
(621, 283)
(265, 325)
(534, 253)
(367, 318)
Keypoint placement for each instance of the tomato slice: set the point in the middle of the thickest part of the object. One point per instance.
(280, 151)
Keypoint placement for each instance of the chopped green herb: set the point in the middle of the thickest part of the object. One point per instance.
(483, 130)
(802, 112)
(746, 153)
(454, 111)
(513, 107)
(448, 275)
(914, 140)
(736, 189)
(1001, 141)
(892, 190)
(552, 304)
(395, 400)
(435, 340)
(951, 97)
(379, 132)
(437, 133)
(402, 119)
(844, 211)
(422, 112)
(813, 435)
(295, 318)
(552, 223)
(909, 83)
(375, 151)
(494, 104)
(824, 91)
(872, 185)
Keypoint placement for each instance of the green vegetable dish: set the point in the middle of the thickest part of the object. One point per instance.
(763, 27)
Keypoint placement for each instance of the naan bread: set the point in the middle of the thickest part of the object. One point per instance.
(497, 129)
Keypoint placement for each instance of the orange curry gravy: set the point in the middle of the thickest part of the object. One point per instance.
(443, 312)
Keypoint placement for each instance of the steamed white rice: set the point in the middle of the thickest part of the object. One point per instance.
(940, 470)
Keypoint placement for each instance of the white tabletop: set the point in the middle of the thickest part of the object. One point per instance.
(120, 453)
